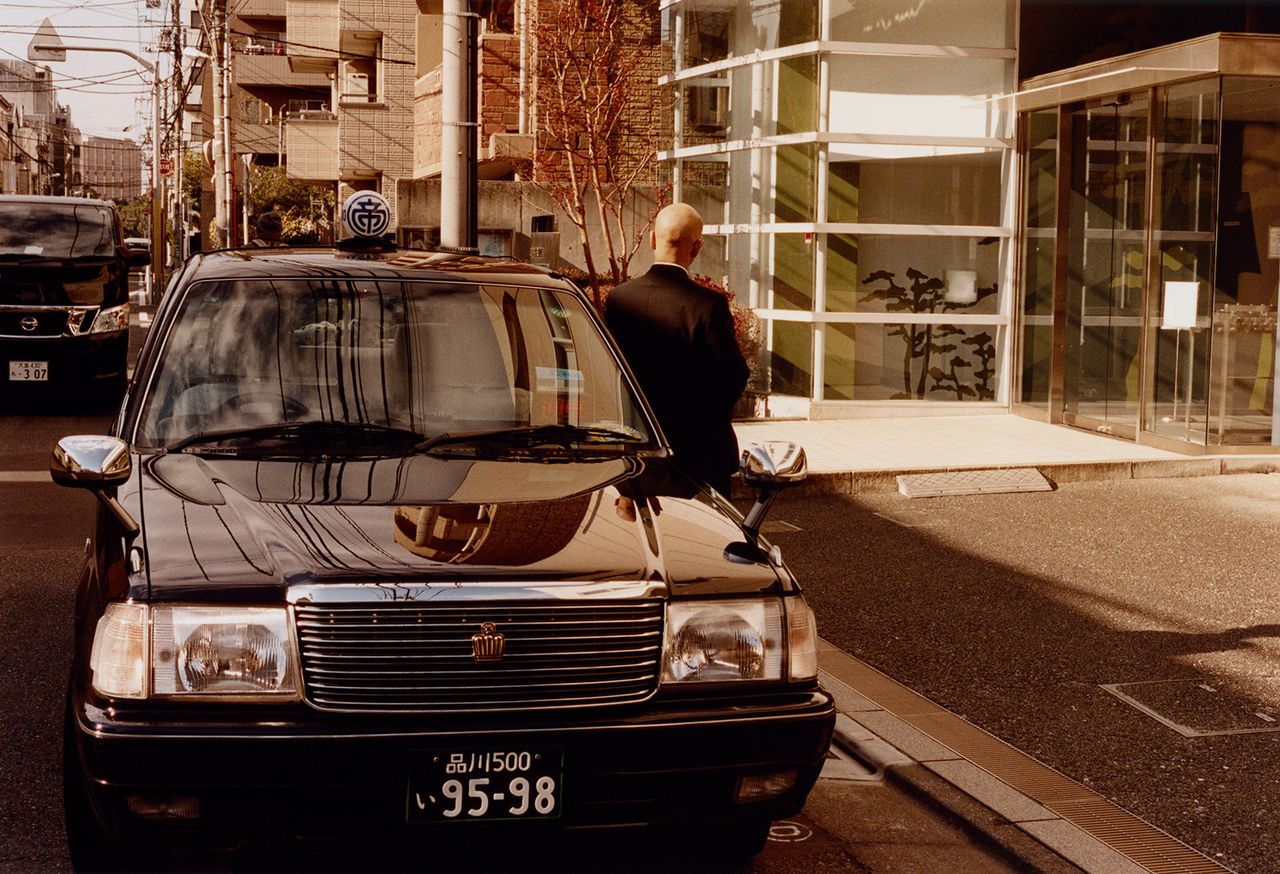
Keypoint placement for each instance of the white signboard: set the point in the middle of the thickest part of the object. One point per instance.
(1273, 242)
(45, 45)
(1181, 301)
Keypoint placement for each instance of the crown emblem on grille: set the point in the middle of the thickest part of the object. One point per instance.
(487, 646)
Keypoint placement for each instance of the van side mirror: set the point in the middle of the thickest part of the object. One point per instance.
(98, 463)
(770, 467)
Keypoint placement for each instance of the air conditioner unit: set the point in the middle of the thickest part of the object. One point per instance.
(544, 248)
(355, 86)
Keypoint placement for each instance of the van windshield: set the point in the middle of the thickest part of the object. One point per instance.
(56, 230)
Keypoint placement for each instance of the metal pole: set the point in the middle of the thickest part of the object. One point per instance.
(179, 252)
(219, 134)
(228, 153)
(458, 129)
(157, 194)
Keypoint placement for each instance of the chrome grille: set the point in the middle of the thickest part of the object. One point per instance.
(413, 658)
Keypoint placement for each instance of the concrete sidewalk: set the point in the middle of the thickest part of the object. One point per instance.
(853, 455)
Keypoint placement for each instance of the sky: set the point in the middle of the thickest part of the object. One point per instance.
(103, 90)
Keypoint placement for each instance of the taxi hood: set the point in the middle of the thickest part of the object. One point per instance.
(231, 528)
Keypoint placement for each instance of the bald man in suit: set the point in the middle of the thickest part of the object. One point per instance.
(679, 340)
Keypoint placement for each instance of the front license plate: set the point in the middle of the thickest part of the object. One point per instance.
(485, 784)
(28, 371)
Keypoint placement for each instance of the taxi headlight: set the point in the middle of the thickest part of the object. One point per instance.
(111, 319)
(216, 653)
(222, 652)
(723, 640)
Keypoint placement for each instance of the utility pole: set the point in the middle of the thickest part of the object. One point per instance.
(228, 153)
(458, 132)
(221, 169)
(179, 149)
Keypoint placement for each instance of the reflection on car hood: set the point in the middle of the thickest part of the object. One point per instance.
(235, 528)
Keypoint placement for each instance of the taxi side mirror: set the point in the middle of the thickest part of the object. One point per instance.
(98, 463)
(770, 467)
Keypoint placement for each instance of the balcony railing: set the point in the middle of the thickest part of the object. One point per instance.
(313, 34)
(273, 70)
(261, 8)
(312, 148)
(260, 139)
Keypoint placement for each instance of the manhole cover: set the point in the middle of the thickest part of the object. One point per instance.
(1205, 707)
(972, 482)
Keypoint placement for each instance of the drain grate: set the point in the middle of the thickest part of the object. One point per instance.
(973, 482)
(1205, 707)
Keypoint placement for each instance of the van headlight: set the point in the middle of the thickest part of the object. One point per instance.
(111, 319)
(739, 639)
(179, 651)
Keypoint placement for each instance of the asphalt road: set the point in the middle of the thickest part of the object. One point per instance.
(1015, 611)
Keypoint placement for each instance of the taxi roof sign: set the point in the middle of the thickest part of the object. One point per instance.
(46, 45)
(366, 214)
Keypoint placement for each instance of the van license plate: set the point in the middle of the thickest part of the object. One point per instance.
(28, 371)
(470, 785)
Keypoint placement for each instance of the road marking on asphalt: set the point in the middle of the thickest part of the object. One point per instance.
(788, 831)
(25, 476)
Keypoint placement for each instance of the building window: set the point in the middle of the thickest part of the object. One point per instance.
(361, 73)
(857, 197)
(501, 17)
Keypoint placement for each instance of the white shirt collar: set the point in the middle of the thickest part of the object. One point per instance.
(672, 264)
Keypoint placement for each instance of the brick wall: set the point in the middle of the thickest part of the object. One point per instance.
(499, 85)
(646, 125)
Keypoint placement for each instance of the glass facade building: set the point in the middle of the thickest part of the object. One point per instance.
(1150, 245)
(855, 163)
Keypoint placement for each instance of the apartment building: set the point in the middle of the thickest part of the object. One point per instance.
(42, 137)
(321, 87)
(361, 137)
(110, 167)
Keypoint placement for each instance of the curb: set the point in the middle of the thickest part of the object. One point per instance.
(981, 823)
(851, 482)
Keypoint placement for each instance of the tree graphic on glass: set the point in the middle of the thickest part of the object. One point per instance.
(969, 372)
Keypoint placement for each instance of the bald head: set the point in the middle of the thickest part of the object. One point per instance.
(677, 234)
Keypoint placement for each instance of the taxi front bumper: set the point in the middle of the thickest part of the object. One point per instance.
(676, 765)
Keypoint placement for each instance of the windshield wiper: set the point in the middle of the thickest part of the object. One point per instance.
(289, 430)
(533, 435)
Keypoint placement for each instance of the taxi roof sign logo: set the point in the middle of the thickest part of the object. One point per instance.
(366, 214)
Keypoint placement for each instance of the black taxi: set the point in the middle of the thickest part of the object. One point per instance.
(391, 548)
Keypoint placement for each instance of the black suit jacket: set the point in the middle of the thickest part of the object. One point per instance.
(678, 338)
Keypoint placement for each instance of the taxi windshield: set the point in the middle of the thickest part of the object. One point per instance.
(385, 363)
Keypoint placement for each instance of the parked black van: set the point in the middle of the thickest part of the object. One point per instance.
(64, 298)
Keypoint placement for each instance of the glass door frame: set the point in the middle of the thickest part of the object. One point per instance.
(1056, 411)
(1072, 241)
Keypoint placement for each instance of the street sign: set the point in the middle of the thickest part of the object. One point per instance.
(166, 166)
(46, 44)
